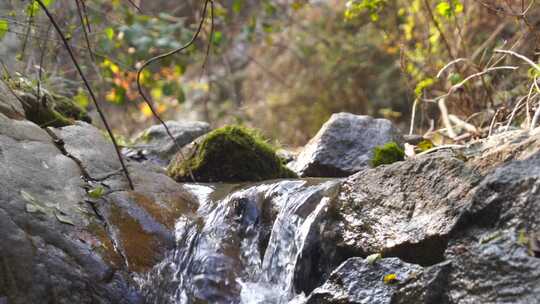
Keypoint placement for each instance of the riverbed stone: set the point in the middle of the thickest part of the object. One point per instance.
(156, 145)
(344, 146)
(359, 281)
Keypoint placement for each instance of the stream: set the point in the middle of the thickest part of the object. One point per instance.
(242, 245)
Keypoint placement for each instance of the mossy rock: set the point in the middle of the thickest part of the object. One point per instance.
(387, 154)
(51, 110)
(229, 154)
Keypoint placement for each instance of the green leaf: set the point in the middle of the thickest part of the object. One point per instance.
(422, 85)
(237, 6)
(218, 38)
(109, 32)
(455, 78)
(4, 28)
(444, 9)
(97, 192)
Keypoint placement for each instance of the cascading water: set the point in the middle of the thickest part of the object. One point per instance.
(242, 247)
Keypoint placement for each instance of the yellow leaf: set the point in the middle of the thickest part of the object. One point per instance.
(390, 278)
(145, 110)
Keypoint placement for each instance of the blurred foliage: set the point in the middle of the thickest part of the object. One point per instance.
(285, 66)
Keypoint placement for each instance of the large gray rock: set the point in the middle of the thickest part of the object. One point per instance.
(51, 249)
(406, 210)
(58, 244)
(343, 146)
(155, 144)
(493, 270)
(357, 281)
(477, 235)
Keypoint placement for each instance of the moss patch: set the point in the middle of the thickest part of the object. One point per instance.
(387, 154)
(51, 110)
(230, 154)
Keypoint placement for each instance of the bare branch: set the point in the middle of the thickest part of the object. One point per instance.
(90, 91)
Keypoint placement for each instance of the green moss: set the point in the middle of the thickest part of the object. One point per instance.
(230, 154)
(68, 108)
(387, 154)
(49, 110)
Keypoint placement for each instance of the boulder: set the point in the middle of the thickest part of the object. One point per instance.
(59, 244)
(406, 210)
(53, 247)
(358, 281)
(344, 146)
(229, 154)
(495, 269)
(155, 144)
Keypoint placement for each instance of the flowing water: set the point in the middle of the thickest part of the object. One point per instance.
(242, 245)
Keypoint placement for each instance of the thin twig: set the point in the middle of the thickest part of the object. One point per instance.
(135, 6)
(527, 60)
(446, 119)
(211, 40)
(86, 38)
(90, 91)
(450, 64)
(462, 83)
(40, 72)
(162, 56)
(413, 116)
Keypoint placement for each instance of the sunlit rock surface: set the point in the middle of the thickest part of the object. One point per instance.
(155, 144)
(343, 146)
(358, 281)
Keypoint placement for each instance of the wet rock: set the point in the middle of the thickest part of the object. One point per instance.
(407, 209)
(51, 250)
(155, 144)
(344, 146)
(91, 146)
(495, 270)
(357, 281)
(140, 223)
(509, 197)
(490, 270)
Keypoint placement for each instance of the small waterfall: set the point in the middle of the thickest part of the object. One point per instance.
(242, 247)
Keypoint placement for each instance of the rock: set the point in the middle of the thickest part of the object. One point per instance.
(499, 270)
(140, 222)
(229, 154)
(344, 146)
(406, 209)
(10, 106)
(91, 147)
(51, 246)
(357, 281)
(156, 145)
(51, 110)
